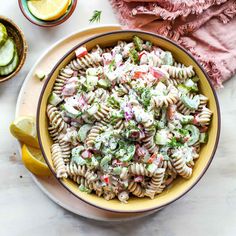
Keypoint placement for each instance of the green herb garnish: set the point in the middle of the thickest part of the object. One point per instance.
(82, 188)
(112, 102)
(138, 42)
(146, 97)
(96, 17)
(112, 65)
(134, 55)
(174, 143)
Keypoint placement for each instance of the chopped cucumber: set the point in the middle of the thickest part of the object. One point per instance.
(103, 83)
(7, 52)
(117, 170)
(168, 59)
(203, 138)
(75, 152)
(91, 82)
(130, 153)
(79, 160)
(161, 137)
(94, 71)
(191, 103)
(104, 162)
(3, 34)
(54, 99)
(94, 162)
(183, 88)
(191, 86)
(195, 134)
(138, 42)
(40, 75)
(93, 109)
(83, 131)
(71, 111)
(6, 70)
(186, 119)
(151, 168)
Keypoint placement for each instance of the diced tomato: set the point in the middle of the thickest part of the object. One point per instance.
(138, 74)
(203, 129)
(152, 157)
(106, 179)
(86, 154)
(141, 54)
(81, 52)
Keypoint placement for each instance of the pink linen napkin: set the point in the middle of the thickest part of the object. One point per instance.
(207, 28)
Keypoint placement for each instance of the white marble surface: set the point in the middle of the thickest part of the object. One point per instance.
(209, 209)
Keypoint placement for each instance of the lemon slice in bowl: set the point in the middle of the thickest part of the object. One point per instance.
(48, 10)
(34, 161)
(24, 129)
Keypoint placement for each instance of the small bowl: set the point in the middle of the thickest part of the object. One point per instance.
(16, 33)
(180, 185)
(26, 12)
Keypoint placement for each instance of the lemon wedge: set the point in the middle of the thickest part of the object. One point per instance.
(24, 129)
(48, 10)
(34, 161)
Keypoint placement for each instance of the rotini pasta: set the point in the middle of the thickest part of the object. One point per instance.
(58, 161)
(179, 72)
(155, 183)
(126, 121)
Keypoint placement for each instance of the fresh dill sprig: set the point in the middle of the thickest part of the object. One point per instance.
(96, 17)
(112, 65)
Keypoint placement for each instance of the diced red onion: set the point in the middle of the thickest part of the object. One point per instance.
(138, 178)
(86, 154)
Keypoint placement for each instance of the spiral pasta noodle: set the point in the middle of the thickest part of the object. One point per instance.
(58, 161)
(139, 169)
(74, 169)
(61, 79)
(204, 117)
(94, 133)
(55, 118)
(81, 64)
(178, 72)
(136, 189)
(181, 168)
(155, 183)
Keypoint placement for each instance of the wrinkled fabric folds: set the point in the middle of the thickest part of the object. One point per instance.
(207, 28)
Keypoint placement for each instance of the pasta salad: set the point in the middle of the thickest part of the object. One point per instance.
(126, 120)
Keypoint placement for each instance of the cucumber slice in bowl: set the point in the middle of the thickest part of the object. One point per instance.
(6, 70)
(3, 34)
(7, 52)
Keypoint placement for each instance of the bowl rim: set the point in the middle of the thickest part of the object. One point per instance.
(133, 32)
(49, 23)
(24, 49)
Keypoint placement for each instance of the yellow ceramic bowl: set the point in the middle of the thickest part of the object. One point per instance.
(180, 186)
